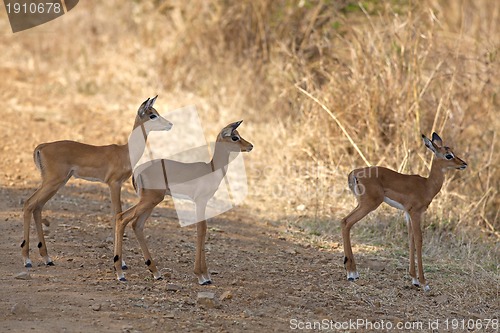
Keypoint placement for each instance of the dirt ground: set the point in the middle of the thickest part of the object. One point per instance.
(265, 278)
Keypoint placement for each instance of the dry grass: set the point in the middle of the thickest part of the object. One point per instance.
(387, 71)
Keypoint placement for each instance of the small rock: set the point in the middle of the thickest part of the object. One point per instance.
(23, 276)
(291, 251)
(169, 315)
(173, 287)
(207, 299)
(109, 240)
(19, 309)
(247, 313)
(96, 307)
(226, 295)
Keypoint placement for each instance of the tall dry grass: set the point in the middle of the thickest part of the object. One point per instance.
(386, 70)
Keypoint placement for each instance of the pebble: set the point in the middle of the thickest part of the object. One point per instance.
(18, 309)
(206, 298)
(226, 295)
(23, 276)
(173, 287)
(169, 315)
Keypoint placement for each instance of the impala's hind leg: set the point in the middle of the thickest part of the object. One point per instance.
(33, 207)
(137, 215)
(116, 204)
(368, 200)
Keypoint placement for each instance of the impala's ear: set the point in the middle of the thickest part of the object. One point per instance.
(142, 109)
(429, 144)
(228, 130)
(152, 101)
(437, 140)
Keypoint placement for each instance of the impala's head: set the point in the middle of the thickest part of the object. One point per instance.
(443, 153)
(232, 139)
(150, 118)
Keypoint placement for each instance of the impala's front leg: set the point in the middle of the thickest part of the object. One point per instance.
(200, 265)
(417, 236)
(411, 246)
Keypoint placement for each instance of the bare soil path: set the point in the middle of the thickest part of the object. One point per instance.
(267, 279)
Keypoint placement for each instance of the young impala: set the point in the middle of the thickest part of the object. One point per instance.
(410, 193)
(61, 160)
(198, 181)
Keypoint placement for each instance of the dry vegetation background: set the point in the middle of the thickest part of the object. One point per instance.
(387, 70)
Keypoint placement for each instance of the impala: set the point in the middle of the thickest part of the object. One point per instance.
(410, 193)
(198, 181)
(59, 161)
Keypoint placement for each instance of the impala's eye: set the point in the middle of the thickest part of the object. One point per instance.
(153, 116)
(235, 138)
(448, 156)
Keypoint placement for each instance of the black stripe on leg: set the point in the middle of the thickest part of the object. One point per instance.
(148, 262)
(23, 243)
(345, 260)
(39, 244)
(116, 258)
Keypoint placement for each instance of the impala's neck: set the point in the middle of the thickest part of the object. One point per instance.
(220, 158)
(436, 177)
(137, 143)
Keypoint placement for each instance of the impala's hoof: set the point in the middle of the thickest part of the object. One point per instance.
(50, 263)
(204, 280)
(415, 282)
(427, 288)
(122, 279)
(28, 265)
(159, 278)
(352, 276)
(205, 283)
(124, 267)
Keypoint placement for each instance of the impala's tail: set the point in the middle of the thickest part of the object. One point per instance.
(352, 182)
(37, 157)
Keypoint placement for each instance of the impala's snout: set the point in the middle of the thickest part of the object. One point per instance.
(169, 126)
(463, 166)
(249, 148)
